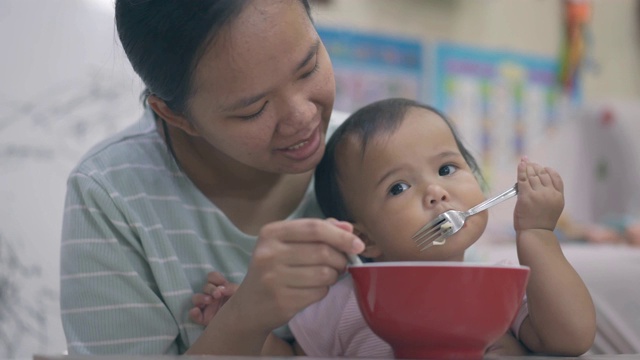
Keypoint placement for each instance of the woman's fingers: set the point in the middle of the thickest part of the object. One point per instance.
(314, 253)
(314, 230)
(311, 277)
(307, 242)
(346, 226)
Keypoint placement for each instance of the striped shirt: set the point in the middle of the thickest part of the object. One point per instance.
(138, 239)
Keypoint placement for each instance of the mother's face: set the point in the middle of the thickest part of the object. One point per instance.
(264, 89)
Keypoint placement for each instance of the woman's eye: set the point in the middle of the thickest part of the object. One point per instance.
(254, 115)
(398, 188)
(313, 71)
(447, 170)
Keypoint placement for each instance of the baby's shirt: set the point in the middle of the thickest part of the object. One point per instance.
(334, 326)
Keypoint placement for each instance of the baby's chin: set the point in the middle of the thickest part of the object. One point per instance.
(468, 235)
(449, 251)
(455, 247)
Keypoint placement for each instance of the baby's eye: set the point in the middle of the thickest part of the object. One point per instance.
(447, 170)
(397, 189)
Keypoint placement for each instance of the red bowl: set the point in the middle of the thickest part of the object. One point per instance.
(437, 310)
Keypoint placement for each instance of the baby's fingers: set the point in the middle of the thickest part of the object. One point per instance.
(215, 291)
(201, 300)
(536, 176)
(196, 315)
(218, 292)
(556, 179)
(229, 289)
(216, 278)
(523, 176)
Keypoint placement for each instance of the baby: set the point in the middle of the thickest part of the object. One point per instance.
(389, 168)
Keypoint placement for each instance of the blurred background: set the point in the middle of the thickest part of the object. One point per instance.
(556, 80)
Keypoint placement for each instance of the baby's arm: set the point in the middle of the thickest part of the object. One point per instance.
(561, 317)
(214, 294)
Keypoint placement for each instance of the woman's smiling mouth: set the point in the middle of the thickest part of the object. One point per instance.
(298, 146)
(304, 149)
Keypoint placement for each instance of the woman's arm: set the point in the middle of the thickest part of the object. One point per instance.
(107, 301)
(561, 317)
(214, 294)
(274, 346)
(293, 265)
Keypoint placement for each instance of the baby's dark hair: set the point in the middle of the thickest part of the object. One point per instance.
(380, 117)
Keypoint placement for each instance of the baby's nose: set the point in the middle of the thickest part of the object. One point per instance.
(435, 195)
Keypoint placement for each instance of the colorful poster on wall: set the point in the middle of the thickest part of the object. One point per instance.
(501, 102)
(370, 67)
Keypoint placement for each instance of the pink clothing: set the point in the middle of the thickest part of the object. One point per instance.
(334, 326)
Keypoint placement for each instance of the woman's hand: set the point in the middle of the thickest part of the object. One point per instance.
(293, 265)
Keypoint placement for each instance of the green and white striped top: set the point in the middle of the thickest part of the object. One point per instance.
(138, 239)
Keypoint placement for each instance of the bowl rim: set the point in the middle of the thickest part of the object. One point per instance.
(440, 264)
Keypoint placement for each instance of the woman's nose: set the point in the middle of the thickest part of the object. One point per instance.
(297, 114)
(435, 194)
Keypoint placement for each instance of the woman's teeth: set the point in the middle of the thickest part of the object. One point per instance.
(297, 146)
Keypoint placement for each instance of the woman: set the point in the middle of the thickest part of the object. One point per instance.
(239, 97)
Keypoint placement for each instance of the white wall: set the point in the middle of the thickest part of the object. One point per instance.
(64, 85)
(530, 26)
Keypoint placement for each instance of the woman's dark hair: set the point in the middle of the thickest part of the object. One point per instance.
(165, 39)
(380, 117)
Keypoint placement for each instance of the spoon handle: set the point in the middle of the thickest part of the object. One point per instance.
(354, 260)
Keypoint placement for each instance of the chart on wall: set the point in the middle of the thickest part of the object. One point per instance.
(501, 102)
(370, 67)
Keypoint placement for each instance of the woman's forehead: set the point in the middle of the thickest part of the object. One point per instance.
(255, 49)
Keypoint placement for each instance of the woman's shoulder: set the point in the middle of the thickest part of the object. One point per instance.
(138, 145)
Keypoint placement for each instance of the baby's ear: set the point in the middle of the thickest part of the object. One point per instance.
(371, 249)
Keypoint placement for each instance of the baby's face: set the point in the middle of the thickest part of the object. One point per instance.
(404, 180)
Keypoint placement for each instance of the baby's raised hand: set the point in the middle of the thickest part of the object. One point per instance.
(540, 197)
(214, 294)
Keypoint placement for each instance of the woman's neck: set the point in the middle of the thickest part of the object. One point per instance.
(248, 196)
